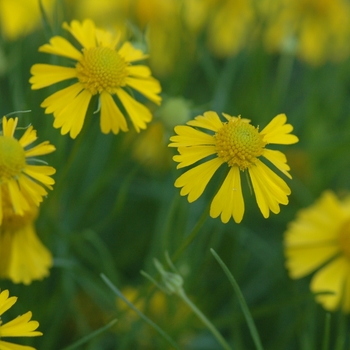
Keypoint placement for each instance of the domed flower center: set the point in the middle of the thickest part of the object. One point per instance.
(101, 69)
(12, 158)
(344, 239)
(239, 143)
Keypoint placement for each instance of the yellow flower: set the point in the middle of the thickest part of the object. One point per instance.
(240, 146)
(319, 238)
(313, 30)
(21, 326)
(18, 175)
(20, 17)
(23, 258)
(100, 69)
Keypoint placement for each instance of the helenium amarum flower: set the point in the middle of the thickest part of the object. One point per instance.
(23, 257)
(319, 240)
(21, 326)
(19, 176)
(240, 146)
(99, 69)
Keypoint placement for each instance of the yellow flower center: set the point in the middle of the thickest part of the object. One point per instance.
(12, 158)
(101, 69)
(239, 143)
(344, 239)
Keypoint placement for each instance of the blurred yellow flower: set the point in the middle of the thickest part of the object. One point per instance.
(23, 258)
(240, 146)
(314, 30)
(100, 70)
(319, 239)
(230, 26)
(21, 326)
(18, 176)
(21, 17)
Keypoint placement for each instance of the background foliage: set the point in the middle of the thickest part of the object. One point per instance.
(114, 207)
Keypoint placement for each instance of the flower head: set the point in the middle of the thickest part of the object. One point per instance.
(101, 70)
(22, 180)
(21, 326)
(23, 258)
(240, 146)
(319, 239)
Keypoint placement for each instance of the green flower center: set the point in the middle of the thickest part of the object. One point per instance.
(344, 239)
(12, 158)
(239, 143)
(101, 69)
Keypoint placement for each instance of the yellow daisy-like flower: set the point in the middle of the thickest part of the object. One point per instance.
(23, 258)
(319, 238)
(21, 326)
(240, 146)
(100, 69)
(22, 179)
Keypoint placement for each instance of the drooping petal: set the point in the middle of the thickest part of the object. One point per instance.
(61, 47)
(304, 259)
(278, 159)
(150, 88)
(71, 118)
(112, 119)
(331, 278)
(191, 155)
(270, 190)
(194, 181)
(60, 99)
(18, 201)
(228, 202)
(138, 113)
(46, 74)
(35, 191)
(278, 132)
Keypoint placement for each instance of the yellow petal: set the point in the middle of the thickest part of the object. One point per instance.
(6, 302)
(191, 155)
(332, 278)
(34, 191)
(60, 99)
(41, 149)
(61, 47)
(41, 173)
(188, 136)
(278, 159)
(138, 113)
(28, 137)
(84, 32)
(270, 190)
(20, 326)
(139, 71)
(47, 74)
(71, 118)
(194, 181)
(209, 120)
(278, 132)
(9, 126)
(130, 54)
(112, 119)
(4, 345)
(148, 87)
(18, 201)
(229, 199)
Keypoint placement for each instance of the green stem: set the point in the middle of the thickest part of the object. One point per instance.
(208, 324)
(193, 234)
(249, 319)
(141, 315)
(325, 345)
